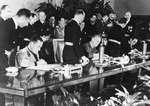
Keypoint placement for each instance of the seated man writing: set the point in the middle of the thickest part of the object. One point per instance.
(29, 56)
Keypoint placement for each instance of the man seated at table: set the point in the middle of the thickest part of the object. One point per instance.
(92, 53)
(29, 56)
(26, 57)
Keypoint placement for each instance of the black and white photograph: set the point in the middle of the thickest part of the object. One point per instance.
(74, 53)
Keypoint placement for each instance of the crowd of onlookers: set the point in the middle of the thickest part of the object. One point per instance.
(26, 38)
(48, 27)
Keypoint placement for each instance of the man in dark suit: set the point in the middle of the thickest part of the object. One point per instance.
(11, 25)
(8, 38)
(5, 13)
(9, 34)
(73, 51)
(26, 33)
(44, 30)
(41, 26)
(3, 62)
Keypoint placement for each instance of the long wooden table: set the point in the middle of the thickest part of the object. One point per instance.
(25, 93)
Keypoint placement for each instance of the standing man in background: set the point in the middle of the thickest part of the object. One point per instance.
(9, 34)
(4, 14)
(44, 30)
(7, 29)
(73, 51)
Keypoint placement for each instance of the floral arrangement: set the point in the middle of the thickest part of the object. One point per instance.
(123, 98)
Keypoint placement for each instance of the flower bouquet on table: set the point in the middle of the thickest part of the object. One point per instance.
(12, 71)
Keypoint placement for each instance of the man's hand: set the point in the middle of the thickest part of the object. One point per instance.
(41, 62)
(132, 42)
(82, 25)
(84, 61)
(95, 56)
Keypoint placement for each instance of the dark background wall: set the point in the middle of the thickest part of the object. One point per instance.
(137, 7)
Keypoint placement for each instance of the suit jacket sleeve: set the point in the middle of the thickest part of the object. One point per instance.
(75, 35)
(3, 37)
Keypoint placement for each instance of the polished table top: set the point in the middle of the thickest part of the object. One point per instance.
(69, 82)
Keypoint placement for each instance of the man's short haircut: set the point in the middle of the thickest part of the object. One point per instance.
(79, 11)
(24, 12)
(32, 14)
(35, 37)
(42, 11)
(3, 7)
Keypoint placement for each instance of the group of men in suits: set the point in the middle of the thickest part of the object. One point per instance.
(8, 34)
(11, 27)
